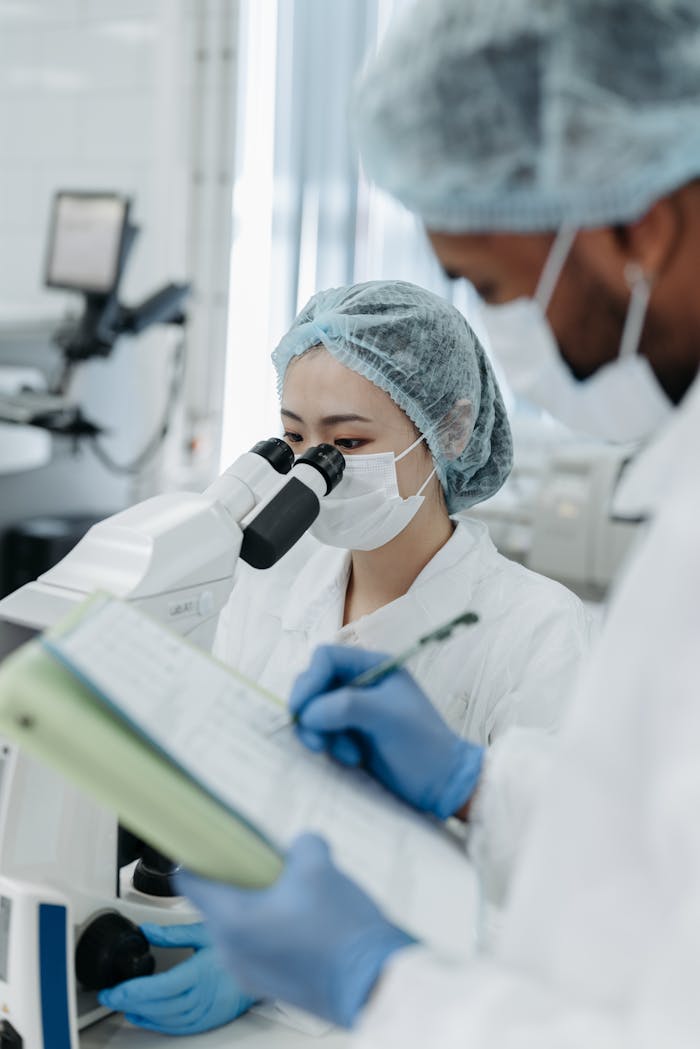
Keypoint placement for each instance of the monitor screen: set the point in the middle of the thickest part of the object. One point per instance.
(87, 231)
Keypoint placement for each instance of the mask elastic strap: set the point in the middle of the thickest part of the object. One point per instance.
(430, 476)
(427, 481)
(398, 458)
(640, 289)
(551, 271)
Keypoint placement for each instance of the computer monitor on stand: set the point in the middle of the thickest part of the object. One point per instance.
(88, 240)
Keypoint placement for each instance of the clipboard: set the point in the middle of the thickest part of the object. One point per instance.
(54, 716)
(99, 726)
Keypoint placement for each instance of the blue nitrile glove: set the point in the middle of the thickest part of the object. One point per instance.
(312, 939)
(194, 996)
(391, 729)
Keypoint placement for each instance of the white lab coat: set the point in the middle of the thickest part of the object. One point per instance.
(600, 945)
(517, 666)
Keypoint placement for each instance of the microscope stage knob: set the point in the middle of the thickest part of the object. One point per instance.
(111, 949)
(9, 1037)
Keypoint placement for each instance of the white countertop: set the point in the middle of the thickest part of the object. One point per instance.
(248, 1032)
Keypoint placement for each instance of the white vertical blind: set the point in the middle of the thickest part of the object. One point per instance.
(248, 396)
(304, 217)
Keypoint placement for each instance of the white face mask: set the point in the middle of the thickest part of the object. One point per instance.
(621, 402)
(366, 510)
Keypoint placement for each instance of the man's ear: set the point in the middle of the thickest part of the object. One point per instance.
(649, 242)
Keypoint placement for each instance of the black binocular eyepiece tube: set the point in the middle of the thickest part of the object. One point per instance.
(277, 452)
(329, 462)
(282, 521)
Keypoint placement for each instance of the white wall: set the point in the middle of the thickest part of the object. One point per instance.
(91, 96)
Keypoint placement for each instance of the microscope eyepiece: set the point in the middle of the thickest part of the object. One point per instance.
(295, 506)
(277, 452)
(329, 462)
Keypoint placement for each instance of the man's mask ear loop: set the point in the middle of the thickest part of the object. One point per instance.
(640, 292)
(554, 264)
(640, 285)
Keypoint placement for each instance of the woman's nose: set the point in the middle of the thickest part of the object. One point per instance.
(298, 447)
(310, 441)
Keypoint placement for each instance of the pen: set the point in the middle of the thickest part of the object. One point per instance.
(387, 666)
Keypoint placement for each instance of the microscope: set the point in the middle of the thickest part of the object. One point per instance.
(68, 916)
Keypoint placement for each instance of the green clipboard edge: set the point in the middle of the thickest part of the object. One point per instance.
(55, 717)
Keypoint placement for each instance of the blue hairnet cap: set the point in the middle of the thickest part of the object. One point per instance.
(521, 115)
(422, 352)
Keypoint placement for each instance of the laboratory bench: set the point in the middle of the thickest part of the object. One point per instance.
(251, 1031)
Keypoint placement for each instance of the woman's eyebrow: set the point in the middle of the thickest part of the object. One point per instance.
(333, 420)
(329, 420)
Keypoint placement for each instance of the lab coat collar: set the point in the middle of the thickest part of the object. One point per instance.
(439, 593)
(316, 604)
(319, 592)
(657, 467)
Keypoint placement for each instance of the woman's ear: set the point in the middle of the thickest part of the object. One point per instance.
(457, 427)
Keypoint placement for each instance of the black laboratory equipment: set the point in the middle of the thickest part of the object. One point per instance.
(90, 240)
(32, 546)
(91, 236)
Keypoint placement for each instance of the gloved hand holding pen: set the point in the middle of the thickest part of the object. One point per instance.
(390, 728)
(314, 939)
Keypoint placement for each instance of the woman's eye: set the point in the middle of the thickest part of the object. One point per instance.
(349, 443)
(293, 438)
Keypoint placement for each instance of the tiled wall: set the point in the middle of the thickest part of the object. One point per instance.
(92, 95)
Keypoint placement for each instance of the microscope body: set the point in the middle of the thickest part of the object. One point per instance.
(175, 556)
(57, 874)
